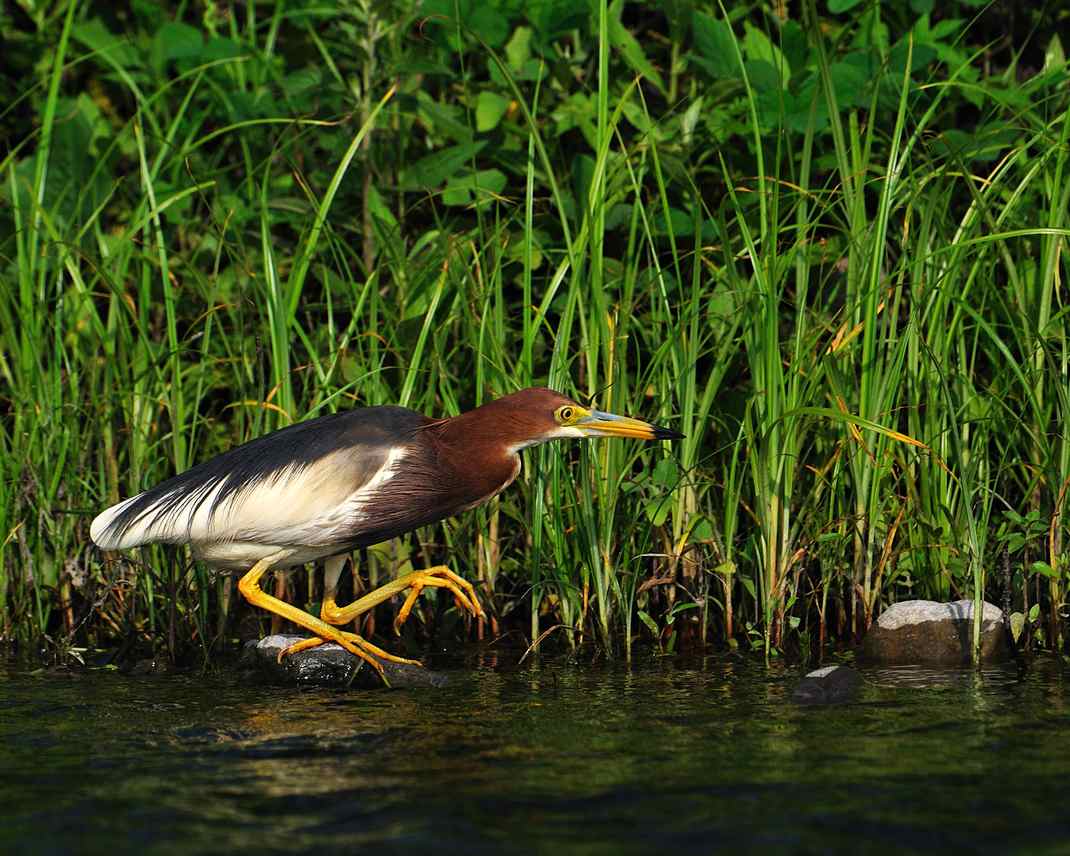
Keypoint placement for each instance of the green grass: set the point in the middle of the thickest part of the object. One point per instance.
(831, 251)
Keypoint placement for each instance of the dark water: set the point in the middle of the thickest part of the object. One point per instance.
(696, 757)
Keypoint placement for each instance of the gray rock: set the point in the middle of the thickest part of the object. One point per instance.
(148, 666)
(330, 665)
(830, 685)
(927, 632)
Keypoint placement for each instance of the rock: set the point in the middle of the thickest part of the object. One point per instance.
(147, 666)
(330, 665)
(927, 632)
(830, 685)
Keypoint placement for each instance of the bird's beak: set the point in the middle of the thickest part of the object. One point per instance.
(601, 424)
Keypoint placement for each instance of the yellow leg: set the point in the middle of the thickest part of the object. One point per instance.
(438, 577)
(375, 650)
(249, 586)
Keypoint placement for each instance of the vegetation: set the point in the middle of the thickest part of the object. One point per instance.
(828, 244)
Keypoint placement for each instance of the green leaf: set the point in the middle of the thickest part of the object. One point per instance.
(838, 6)
(1014, 517)
(220, 48)
(489, 24)
(630, 48)
(490, 107)
(649, 622)
(444, 119)
(758, 48)
(714, 46)
(1034, 612)
(1013, 97)
(640, 119)
(796, 48)
(920, 56)
(982, 144)
(1054, 56)
(748, 584)
(689, 121)
(175, 40)
(764, 77)
(850, 78)
(518, 48)
(442, 17)
(576, 111)
(666, 472)
(301, 81)
(478, 187)
(1017, 625)
(379, 209)
(1044, 569)
(98, 38)
(551, 17)
(943, 29)
(681, 607)
(702, 531)
(1015, 542)
(657, 511)
(436, 168)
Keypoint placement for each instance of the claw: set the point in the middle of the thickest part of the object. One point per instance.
(303, 645)
(355, 644)
(464, 593)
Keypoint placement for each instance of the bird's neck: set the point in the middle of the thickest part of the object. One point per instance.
(487, 460)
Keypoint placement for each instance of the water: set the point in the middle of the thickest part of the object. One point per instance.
(668, 756)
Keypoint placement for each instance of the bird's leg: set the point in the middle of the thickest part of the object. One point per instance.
(438, 577)
(332, 571)
(315, 642)
(249, 586)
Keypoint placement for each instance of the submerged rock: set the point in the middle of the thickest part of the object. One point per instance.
(330, 665)
(927, 632)
(148, 666)
(830, 685)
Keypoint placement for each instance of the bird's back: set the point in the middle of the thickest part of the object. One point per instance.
(302, 482)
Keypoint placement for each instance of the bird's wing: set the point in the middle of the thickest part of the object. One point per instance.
(302, 485)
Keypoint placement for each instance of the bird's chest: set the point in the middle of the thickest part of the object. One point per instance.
(464, 479)
(426, 486)
(485, 485)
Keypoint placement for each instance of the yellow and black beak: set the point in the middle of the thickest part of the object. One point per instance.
(598, 423)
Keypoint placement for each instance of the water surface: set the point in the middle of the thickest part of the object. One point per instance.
(667, 755)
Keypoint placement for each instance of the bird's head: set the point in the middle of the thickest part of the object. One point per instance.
(538, 415)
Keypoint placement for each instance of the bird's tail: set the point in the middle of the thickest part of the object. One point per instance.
(108, 534)
(161, 515)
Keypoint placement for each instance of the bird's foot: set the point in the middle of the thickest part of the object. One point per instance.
(440, 577)
(354, 644)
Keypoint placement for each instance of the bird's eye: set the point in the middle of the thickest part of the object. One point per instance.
(565, 413)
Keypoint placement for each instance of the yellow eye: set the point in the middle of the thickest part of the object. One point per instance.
(565, 414)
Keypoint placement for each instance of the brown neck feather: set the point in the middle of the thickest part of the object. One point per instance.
(478, 447)
(478, 459)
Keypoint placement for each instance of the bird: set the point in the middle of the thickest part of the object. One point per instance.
(321, 488)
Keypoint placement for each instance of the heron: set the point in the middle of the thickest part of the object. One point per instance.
(321, 488)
